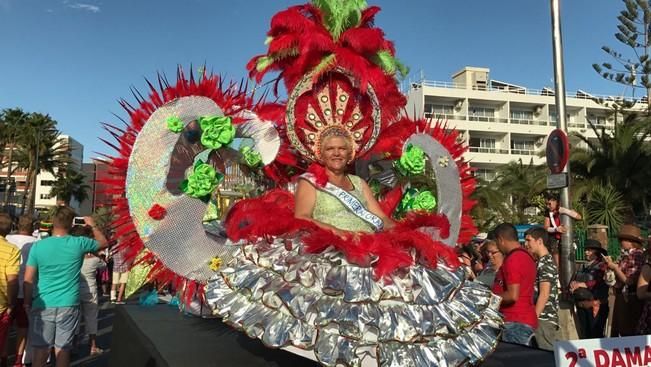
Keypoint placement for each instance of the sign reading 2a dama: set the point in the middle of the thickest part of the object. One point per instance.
(631, 351)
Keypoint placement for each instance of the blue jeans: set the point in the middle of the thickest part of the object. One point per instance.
(517, 333)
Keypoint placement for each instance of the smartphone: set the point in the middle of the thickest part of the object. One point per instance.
(79, 221)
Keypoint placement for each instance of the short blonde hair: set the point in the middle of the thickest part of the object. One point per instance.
(336, 132)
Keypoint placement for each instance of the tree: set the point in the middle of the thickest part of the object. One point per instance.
(620, 157)
(103, 216)
(523, 184)
(634, 31)
(39, 149)
(606, 206)
(491, 208)
(70, 184)
(11, 121)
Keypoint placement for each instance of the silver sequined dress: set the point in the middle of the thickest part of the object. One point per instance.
(339, 314)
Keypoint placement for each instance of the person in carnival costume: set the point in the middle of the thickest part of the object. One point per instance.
(338, 270)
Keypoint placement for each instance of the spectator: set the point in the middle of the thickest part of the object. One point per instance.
(590, 292)
(9, 269)
(627, 308)
(553, 223)
(495, 260)
(514, 282)
(536, 241)
(53, 268)
(104, 275)
(88, 290)
(120, 276)
(644, 294)
(468, 259)
(24, 240)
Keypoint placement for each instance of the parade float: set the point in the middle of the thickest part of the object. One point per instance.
(204, 179)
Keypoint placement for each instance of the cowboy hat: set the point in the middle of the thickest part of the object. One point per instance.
(630, 232)
(591, 244)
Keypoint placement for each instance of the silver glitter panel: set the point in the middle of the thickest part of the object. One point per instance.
(178, 240)
(265, 135)
(442, 320)
(448, 184)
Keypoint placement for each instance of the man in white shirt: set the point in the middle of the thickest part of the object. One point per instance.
(24, 241)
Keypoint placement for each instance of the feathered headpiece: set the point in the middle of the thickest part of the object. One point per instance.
(339, 71)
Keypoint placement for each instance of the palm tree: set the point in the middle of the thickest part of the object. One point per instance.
(70, 184)
(523, 184)
(39, 149)
(620, 157)
(606, 206)
(491, 208)
(11, 121)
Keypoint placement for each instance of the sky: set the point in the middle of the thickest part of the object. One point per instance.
(75, 59)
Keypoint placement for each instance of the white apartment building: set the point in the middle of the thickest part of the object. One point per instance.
(44, 181)
(501, 122)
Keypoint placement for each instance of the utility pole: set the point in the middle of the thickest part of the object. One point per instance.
(567, 259)
(567, 263)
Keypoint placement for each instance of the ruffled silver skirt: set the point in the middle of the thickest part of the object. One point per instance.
(338, 314)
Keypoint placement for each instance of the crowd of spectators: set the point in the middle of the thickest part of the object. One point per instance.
(525, 275)
(52, 283)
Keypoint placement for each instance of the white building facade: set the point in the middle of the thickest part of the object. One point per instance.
(502, 122)
(45, 180)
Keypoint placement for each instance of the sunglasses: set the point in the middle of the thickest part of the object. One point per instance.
(491, 253)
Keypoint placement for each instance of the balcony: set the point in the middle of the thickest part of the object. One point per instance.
(528, 122)
(488, 119)
(488, 150)
(524, 152)
(576, 125)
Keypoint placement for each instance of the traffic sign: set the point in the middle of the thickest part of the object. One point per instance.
(557, 181)
(557, 151)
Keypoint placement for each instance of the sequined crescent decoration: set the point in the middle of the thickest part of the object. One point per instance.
(203, 179)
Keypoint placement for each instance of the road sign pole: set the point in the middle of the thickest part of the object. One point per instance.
(567, 256)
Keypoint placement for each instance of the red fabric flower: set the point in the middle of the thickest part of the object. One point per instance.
(157, 212)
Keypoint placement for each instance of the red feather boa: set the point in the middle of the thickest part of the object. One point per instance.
(386, 251)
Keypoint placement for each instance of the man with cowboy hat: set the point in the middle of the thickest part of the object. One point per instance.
(590, 292)
(628, 308)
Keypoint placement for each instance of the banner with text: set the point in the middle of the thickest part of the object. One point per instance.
(630, 351)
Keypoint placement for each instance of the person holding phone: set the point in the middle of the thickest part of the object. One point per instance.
(627, 308)
(53, 270)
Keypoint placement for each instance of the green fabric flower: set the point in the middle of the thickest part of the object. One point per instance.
(175, 124)
(203, 180)
(414, 199)
(412, 161)
(251, 157)
(425, 200)
(216, 131)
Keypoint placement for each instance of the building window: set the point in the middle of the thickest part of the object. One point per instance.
(45, 197)
(598, 120)
(486, 114)
(482, 111)
(521, 115)
(485, 174)
(438, 110)
(553, 118)
(524, 147)
(47, 183)
(482, 145)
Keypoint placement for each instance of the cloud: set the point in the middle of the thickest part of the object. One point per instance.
(81, 6)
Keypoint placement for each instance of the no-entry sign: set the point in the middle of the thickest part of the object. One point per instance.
(557, 151)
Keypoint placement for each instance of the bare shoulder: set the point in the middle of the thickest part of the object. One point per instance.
(303, 185)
